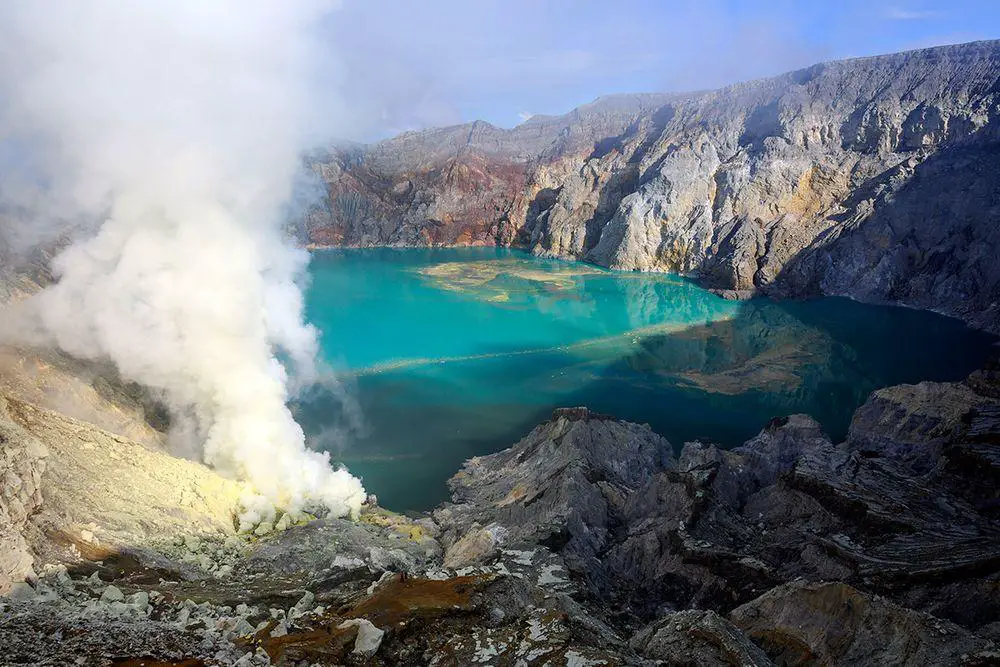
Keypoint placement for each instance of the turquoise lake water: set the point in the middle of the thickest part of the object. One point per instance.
(450, 353)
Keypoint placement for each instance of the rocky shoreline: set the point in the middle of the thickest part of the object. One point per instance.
(591, 541)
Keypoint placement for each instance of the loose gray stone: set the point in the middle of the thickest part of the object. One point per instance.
(112, 594)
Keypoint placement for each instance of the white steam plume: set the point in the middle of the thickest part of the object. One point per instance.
(180, 124)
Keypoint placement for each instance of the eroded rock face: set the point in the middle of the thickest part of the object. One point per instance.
(834, 624)
(72, 491)
(873, 178)
(563, 486)
(911, 423)
(22, 464)
(469, 184)
(697, 637)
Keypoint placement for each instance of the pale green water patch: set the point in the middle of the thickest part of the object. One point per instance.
(452, 353)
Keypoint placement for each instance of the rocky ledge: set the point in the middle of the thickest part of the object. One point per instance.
(591, 541)
(873, 178)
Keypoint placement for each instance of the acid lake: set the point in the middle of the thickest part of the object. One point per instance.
(445, 354)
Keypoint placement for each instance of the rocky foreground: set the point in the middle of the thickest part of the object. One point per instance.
(590, 542)
(873, 178)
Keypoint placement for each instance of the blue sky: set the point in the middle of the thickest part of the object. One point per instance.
(411, 64)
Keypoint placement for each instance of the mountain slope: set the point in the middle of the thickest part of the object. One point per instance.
(873, 178)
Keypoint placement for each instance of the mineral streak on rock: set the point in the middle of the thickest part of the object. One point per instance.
(872, 178)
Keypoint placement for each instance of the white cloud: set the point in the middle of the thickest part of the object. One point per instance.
(903, 14)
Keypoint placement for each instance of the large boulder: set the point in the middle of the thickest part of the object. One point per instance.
(563, 486)
(910, 423)
(697, 637)
(835, 624)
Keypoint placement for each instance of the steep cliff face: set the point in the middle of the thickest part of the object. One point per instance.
(873, 178)
(472, 184)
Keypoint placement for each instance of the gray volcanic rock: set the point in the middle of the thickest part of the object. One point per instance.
(873, 178)
(696, 637)
(22, 465)
(906, 508)
(586, 543)
(562, 486)
(329, 548)
(834, 624)
(912, 422)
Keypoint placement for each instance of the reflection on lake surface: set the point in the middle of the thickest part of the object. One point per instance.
(452, 353)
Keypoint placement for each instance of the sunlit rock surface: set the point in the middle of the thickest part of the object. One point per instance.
(75, 492)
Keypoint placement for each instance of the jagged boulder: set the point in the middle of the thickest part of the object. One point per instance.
(562, 486)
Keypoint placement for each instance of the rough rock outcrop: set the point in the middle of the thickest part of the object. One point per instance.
(834, 624)
(561, 486)
(696, 637)
(72, 491)
(873, 178)
(905, 508)
(21, 468)
(469, 184)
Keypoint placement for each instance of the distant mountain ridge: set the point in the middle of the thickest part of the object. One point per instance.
(874, 178)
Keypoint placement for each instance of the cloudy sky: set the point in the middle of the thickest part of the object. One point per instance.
(412, 64)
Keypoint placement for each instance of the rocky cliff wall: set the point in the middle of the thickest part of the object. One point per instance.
(873, 178)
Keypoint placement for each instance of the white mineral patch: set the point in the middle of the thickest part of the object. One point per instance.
(346, 563)
(369, 637)
(520, 557)
(574, 659)
(552, 574)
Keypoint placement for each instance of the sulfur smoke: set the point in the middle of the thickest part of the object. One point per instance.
(178, 126)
